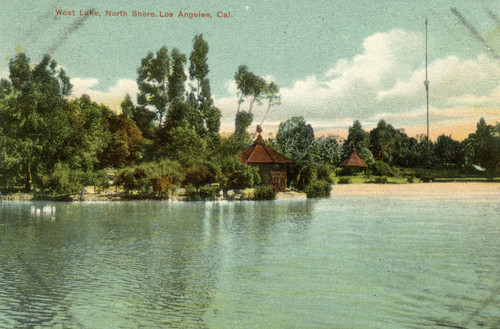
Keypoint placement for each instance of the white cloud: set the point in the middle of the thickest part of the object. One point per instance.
(385, 81)
(112, 97)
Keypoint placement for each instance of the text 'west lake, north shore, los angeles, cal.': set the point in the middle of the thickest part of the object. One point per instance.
(144, 13)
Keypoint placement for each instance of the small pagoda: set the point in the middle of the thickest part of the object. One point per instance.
(272, 165)
(353, 161)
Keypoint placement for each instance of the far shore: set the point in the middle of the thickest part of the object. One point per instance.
(436, 189)
(440, 190)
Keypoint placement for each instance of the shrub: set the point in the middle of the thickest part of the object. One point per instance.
(318, 189)
(265, 192)
(155, 177)
(410, 179)
(199, 174)
(237, 175)
(63, 181)
(344, 180)
(307, 174)
(324, 172)
(209, 192)
(100, 180)
(379, 168)
(381, 180)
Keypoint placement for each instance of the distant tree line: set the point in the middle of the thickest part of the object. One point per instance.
(384, 147)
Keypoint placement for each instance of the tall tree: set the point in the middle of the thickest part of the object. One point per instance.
(33, 114)
(206, 118)
(153, 82)
(484, 145)
(125, 144)
(272, 96)
(254, 88)
(89, 133)
(176, 91)
(359, 139)
(295, 138)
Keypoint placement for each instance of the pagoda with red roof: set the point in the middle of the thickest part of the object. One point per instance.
(272, 165)
(353, 161)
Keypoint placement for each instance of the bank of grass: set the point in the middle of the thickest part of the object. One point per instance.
(420, 175)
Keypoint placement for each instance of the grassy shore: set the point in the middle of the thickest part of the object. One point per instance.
(404, 180)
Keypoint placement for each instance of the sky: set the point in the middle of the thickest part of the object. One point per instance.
(335, 61)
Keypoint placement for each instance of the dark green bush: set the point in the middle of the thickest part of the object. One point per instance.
(318, 189)
(237, 175)
(307, 174)
(149, 177)
(344, 180)
(265, 192)
(379, 168)
(410, 179)
(381, 180)
(63, 181)
(209, 192)
(324, 172)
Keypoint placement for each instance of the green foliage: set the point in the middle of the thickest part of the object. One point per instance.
(379, 168)
(184, 145)
(206, 118)
(126, 143)
(344, 180)
(33, 116)
(449, 153)
(483, 146)
(294, 138)
(237, 175)
(360, 140)
(158, 177)
(265, 192)
(63, 181)
(307, 174)
(326, 150)
(380, 180)
(152, 81)
(318, 189)
(324, 172)
(199, 174)
(242, 122)
(89, 133)
(209, 192)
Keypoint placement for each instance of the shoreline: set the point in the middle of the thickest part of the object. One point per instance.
(441, 189)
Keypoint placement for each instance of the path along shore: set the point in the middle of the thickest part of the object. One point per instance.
(431, 190)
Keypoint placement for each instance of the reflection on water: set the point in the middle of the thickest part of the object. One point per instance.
(339, 262)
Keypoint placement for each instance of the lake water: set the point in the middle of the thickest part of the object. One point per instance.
(375, 260)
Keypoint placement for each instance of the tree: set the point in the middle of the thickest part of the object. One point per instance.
(89, 133)
(326, 150)
(153, 82)
(125, 145)
(272, 95)
(254, 87)
(127, 107)
(176, 91)
(484, 145)
(205, 117)
(294, 138)
(33, 115)
(360, 140)
(448, 152)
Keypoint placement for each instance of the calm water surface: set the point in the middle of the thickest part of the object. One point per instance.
(349, 261)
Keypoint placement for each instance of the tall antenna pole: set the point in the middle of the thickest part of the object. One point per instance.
(426, 82)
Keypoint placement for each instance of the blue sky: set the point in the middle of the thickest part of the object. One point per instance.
(335, 61)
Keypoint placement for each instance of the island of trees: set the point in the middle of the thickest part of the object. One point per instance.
(53, 145)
